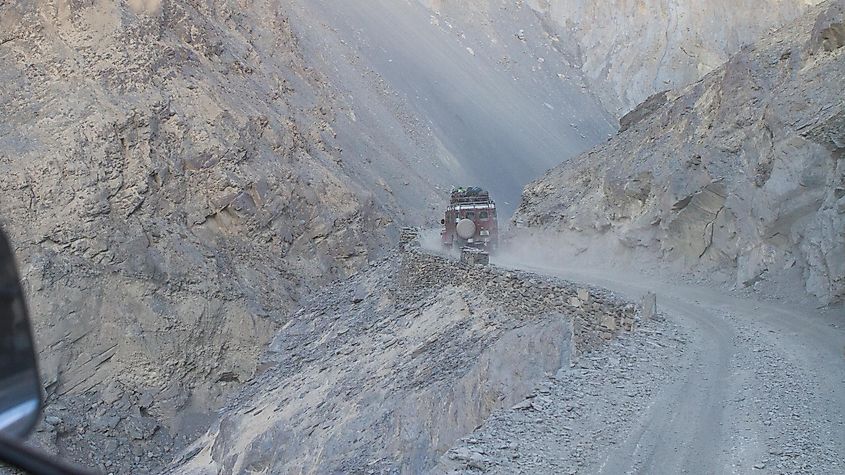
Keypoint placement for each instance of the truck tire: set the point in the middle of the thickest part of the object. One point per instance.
(465, 228)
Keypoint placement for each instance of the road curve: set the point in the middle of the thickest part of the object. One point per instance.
(763, 388)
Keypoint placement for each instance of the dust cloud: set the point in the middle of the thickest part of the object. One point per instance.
(573, 256)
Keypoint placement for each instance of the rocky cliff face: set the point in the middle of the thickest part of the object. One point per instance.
(486, 107)
(170, 176)
(629, 50)
(175, 174)
(385, 371)
(633, 49)
(740, 173)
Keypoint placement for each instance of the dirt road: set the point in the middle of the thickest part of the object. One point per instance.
(761, 386)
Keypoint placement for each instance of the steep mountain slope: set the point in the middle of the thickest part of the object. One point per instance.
(739, 175)
(175, 174)
(495, 123)
(508, 89)
(170, 176)
(626, 50)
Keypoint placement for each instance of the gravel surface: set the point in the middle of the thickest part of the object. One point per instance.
(722, 385)
(569, 421)
(796, 422)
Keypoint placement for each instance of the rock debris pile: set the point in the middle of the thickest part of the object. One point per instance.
(570, 418)
(115, 434)
(596, 313)
(383, 372)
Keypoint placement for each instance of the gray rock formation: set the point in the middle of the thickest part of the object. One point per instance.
(627, 50)
(489, 109)
(384, 372)
(739, 175)
(178, 175)
(170, 176)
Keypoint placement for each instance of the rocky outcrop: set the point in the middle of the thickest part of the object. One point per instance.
(178, 175)
(741, 172)
(386, 371)
(640, 48)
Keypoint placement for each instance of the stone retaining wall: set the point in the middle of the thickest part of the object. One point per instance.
(596, 314)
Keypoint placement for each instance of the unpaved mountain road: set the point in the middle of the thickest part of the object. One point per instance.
(762, 387)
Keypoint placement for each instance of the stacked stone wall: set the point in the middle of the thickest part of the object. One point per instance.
(596, 314)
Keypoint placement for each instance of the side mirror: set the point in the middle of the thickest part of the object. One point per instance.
(443, 221)
(20, 388)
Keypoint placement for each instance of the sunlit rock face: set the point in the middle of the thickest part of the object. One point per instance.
(171, 180)
(739, 176)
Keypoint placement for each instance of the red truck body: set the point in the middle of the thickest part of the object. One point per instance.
(470, 205)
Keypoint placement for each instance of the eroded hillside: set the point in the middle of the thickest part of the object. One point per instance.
(178, 176)
(739, 176)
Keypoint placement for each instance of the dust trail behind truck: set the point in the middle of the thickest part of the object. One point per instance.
(470, 220)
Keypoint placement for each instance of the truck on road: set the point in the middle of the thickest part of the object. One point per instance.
(470, 220)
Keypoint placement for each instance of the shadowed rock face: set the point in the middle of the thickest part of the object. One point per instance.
(490, 109)
(741, 171)
(500, 92)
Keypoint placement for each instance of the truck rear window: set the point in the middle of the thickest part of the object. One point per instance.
(482, 215)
